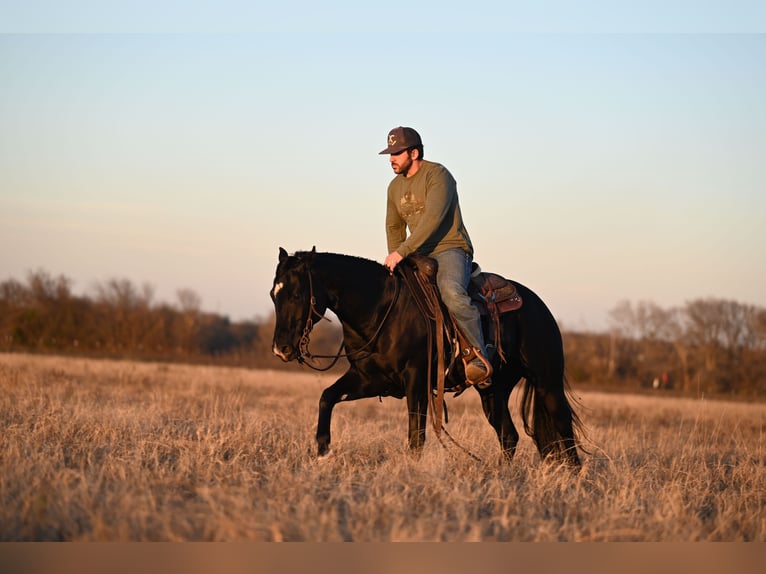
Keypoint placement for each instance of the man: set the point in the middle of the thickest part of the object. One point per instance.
(423, 198)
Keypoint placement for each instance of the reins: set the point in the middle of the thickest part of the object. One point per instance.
(429, 303)
(430, 309)
(303, 344)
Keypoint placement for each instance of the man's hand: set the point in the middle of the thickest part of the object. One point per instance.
(392, 260)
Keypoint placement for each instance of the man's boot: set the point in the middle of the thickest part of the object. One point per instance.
(478, 371)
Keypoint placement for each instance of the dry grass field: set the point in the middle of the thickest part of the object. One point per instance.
(121, 451)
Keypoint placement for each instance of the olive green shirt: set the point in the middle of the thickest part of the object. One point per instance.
(426, 204)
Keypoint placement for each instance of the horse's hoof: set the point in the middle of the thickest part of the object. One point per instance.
(325, 456)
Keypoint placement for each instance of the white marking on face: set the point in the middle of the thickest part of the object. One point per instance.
(278, 288)
(344, 396)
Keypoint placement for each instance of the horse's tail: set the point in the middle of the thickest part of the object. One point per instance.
(550, 419)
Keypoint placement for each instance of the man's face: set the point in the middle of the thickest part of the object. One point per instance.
(401, 162)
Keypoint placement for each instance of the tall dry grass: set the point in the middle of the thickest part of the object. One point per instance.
(100, 450)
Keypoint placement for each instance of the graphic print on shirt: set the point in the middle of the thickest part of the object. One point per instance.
(409, 206)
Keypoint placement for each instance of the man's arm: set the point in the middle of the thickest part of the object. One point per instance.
(396, 228)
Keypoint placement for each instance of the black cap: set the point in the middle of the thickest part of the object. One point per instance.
(400, 139)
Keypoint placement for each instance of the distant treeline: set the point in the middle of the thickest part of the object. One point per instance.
(121, 319)
(706, 347)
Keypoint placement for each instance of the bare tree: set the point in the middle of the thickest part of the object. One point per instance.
(189, 300)
(190, 321)
(671, 326)
(127, 312)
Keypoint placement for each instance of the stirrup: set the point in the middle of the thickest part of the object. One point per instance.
(491, 352)
(469, 356)
(460, 388)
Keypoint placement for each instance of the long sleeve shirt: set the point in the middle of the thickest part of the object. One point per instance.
(426, 204)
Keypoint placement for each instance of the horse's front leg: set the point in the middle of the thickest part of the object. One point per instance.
(347, 388)
(417, 408)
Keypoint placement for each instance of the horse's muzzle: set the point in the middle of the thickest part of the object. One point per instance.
(285, 352)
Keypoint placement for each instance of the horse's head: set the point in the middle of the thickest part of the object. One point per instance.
(298, 301)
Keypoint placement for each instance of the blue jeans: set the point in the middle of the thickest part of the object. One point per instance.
(452, 278)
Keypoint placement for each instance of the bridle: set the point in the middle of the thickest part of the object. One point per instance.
(303, 343)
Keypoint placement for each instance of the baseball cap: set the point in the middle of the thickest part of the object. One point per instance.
(400, 139)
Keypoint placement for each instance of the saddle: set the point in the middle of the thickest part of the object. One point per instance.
(492, 294)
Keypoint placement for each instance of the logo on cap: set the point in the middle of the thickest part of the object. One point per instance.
(400, 139)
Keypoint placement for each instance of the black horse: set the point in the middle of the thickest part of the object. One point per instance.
(386, 339)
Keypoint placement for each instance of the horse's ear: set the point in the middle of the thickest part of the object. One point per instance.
(282, 254)
(314, 249)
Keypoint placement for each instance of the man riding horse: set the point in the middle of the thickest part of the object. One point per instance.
(384, 332)
(423, 198)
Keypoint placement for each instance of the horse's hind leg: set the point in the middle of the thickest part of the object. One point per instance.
(554, 407)
(494, 401)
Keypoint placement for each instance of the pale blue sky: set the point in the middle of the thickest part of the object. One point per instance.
(591, 167)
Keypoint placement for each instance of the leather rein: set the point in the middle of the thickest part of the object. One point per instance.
(428, 302)
(303, 343)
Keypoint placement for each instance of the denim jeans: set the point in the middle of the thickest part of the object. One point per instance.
(452, 278)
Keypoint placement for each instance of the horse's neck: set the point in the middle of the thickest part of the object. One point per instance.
(358, 296)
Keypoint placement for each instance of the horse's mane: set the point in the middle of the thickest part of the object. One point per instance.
(344, 258)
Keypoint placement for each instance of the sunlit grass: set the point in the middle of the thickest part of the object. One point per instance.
(100, 450)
